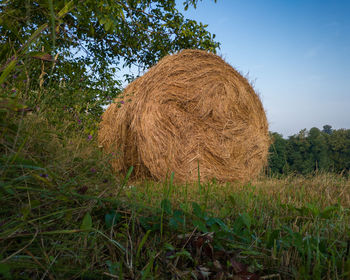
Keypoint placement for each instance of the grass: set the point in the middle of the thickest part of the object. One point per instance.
(64, 215)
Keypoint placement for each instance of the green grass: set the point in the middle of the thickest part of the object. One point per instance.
(65, 215)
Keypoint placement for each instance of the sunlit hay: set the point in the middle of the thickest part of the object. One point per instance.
(191, 109)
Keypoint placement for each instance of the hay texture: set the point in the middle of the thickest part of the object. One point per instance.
(191, 108)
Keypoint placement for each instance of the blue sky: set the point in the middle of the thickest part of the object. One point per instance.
(296, 53)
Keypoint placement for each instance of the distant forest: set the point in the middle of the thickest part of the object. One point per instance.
(309, 151)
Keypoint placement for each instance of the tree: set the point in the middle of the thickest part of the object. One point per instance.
(278, 154)
(307, 151)
(298, 156)
(105, 32)
(339, 145)
(319, 150)
(327, 129)
(94, 39)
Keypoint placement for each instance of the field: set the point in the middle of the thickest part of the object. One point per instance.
(64, 215)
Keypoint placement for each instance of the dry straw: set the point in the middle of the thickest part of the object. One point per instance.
(190, 109)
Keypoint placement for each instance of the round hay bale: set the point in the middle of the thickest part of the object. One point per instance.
(191, 109)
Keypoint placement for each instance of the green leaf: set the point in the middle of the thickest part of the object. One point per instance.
(201, 225)
(166, 206)
(250, 253)
(246, 219)
(22, 166)
(8, 188)
(232, 200)
(347, 268)
(125, 181)
(177, 220)
(272, 238)
(184, 253)
(87, 222)
(5, 271)
(328, 212)
(145, 273)
(151, 222)
(66, 9)
(197, 211)
(169, 247)
(218, 222)
(114, 268)
(172, 178)
(143, 241)
(7, 70)
(109, 25)
(112, 218)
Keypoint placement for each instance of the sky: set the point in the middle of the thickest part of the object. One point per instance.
(296, 53)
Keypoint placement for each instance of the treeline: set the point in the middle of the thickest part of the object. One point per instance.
(310, 150)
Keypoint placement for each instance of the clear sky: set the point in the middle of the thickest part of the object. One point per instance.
(296, 53)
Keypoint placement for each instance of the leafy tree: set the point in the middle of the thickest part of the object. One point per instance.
(75, 48)
(318, 150)
(307, 151)
(298, 156)
(339, 145)
(327, 129)
(278, 154)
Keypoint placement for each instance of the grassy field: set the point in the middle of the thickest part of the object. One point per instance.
(64, 215)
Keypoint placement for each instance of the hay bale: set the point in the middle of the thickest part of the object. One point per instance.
(190, 108)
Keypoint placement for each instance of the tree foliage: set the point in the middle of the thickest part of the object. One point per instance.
(308, 151)
(105, 32)
(83, 44)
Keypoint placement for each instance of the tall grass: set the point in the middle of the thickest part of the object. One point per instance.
(65, 215)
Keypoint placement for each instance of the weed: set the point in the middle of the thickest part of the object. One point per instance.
(65, 215)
